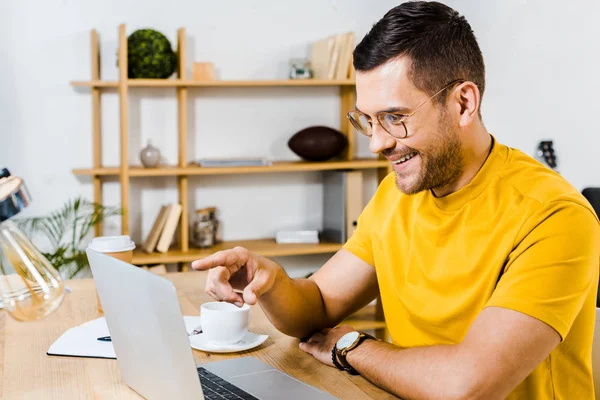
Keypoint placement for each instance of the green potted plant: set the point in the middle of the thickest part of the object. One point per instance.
(65, 233)
(149, 55)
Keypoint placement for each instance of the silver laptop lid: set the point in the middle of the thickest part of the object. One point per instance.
(147, 329)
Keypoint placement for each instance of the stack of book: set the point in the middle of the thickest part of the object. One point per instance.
(299, 236)
(162, 232)
(331, 58)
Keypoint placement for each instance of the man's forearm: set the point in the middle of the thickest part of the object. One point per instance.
(294, 306)
(434, 372)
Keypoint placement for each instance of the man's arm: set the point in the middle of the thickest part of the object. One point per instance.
(500, 350)
(300, 307)
(296, 307)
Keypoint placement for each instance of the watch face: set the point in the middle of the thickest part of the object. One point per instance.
(347, 340)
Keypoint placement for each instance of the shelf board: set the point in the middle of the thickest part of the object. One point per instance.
(108, 171)
(280, 166)
(172, 83)
(265, 247)
(96, 84)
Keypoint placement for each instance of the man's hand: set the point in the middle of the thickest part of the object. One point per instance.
(237, 269)
(321, 343)
(296, 307)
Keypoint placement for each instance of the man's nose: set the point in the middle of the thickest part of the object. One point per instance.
(380, 140)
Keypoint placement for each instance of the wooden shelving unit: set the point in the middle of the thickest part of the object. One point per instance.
(183, 170)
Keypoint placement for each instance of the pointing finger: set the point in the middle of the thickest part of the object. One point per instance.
(233, 259)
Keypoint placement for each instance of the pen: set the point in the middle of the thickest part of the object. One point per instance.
(196, 331)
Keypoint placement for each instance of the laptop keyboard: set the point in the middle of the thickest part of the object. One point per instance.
(216, 388)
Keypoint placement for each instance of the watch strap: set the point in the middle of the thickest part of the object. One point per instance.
(347, 367)
(334, 359)
(341, 354)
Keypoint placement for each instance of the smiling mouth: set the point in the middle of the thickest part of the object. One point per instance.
(405, 158)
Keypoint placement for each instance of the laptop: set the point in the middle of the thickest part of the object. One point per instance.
(153, 349)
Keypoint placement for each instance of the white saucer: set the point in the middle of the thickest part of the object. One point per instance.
(250, 341)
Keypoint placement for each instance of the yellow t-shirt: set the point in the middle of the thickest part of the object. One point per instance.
(517, 236)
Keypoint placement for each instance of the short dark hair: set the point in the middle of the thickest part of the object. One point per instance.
(438, 41)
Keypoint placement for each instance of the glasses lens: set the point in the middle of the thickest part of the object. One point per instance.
(360, 122)
(394, 124)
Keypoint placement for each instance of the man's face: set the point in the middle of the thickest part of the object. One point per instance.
(433, 136)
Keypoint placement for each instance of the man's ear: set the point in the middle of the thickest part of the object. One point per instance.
(468, 100)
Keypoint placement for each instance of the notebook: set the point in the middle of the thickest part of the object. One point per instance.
(82, 340)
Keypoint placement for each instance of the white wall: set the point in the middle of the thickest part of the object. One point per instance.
(45, 124)
(542, 59)
(541, 56)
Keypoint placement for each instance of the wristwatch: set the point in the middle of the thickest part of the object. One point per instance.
(348, 342)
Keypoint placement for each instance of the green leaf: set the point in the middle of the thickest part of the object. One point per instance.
(66, 229)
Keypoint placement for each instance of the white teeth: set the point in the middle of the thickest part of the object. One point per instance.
(405, 158)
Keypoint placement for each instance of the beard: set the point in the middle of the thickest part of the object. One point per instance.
(441, 163)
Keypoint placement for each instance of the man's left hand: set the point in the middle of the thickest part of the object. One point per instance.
(321, 343)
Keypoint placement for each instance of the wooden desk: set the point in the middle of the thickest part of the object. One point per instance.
(26, 372)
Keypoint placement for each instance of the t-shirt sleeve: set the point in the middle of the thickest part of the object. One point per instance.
(553, 268)
(360, 243)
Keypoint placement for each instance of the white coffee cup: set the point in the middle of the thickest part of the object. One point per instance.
(224, 323)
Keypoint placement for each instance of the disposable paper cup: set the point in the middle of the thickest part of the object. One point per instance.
(119, 247)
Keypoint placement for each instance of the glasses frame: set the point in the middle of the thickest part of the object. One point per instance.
(381, 115)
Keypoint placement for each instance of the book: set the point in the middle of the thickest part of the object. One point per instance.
(341, 70)
(168, 232)
(305, 236)
(154, 234)
(351, 45)
(335, 55)
(345, 66)
(320, 57)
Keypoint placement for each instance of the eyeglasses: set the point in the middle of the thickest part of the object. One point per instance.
(392, 123)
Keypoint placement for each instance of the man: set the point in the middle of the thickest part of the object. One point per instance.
(486, 261)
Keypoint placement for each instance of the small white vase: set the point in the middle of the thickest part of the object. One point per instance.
(150, 156)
